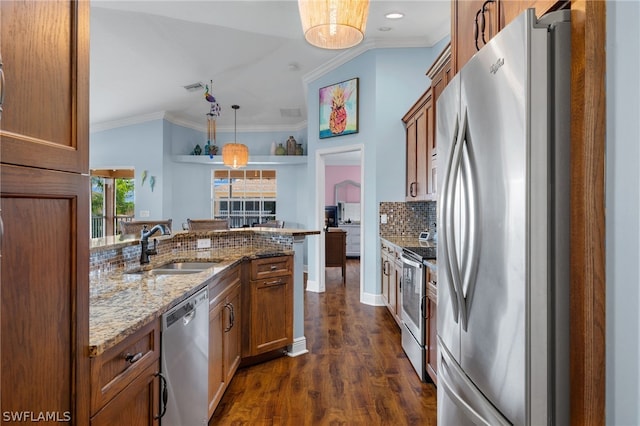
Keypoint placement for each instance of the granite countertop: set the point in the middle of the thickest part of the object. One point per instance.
(121, 303)
(405, 241)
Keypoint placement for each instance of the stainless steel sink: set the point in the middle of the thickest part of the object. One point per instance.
(200, 266)
(177, 268)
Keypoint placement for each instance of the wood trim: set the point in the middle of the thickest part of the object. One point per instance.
(113, 173)
(588, 121)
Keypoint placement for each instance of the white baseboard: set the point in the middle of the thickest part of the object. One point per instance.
(372, 299)
(299, 347)
(313, 286)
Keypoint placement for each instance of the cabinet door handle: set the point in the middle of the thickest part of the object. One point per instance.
(229, 306)
(165, 395)
(132, 358)
(413, 189)
(276, 282)
(1, 86)
(274, 267)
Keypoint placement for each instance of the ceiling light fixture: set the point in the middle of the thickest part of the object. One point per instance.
(333, 24)
(394, 15)
(214, 111)
(235, 154)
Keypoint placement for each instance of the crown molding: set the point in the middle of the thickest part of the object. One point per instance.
(200, 127)
(354, 52)
(262, 128)
(129, 121)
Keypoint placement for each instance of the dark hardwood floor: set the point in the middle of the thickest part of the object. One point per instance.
(354, 374)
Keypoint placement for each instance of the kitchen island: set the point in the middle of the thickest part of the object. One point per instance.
(245, 272)
(122, 299)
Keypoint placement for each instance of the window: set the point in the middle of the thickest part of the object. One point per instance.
(244, 197)
(112, 200)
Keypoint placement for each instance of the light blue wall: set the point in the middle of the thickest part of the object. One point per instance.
(390, 81)
(623, 218)
(183, 190)
(139, 147)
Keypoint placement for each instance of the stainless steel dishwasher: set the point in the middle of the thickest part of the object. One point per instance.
(184, 354)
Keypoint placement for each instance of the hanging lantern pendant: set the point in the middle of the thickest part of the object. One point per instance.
(235, 154)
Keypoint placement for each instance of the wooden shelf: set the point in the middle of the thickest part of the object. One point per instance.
(282, 160)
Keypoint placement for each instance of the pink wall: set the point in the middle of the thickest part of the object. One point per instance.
(337, 174)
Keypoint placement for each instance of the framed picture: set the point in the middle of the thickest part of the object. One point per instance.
(339, 109)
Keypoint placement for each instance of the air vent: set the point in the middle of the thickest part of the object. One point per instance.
(290, 112)
(194, 86)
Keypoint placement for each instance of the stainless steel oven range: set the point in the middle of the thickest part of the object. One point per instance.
(414, 305)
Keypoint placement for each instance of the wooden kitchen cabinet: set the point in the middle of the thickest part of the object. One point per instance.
(225, 335)
(45, 117)
(135, 405)
(44, 228)
(268, 314)
(385, 272)
(498, 14)
(419, 124)
(391, 279)
(124, 381)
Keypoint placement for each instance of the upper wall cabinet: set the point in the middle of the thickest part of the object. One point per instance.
(44, 49)
(419, 122)
(475, 22)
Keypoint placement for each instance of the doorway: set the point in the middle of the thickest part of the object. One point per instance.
(349, 155)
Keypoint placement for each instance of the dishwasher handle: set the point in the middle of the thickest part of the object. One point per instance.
(165, 395)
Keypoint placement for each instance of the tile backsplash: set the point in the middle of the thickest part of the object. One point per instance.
(127, 254)
(407, 218)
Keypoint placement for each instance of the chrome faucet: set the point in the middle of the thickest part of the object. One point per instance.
(145, 251)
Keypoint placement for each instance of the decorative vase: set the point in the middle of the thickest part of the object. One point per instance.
(281, 150)
(291, 146)
(197, 150)
(298, 149)
(273, 148)
(213, 150)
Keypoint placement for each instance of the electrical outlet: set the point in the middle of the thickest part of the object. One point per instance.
(144, 213)
(204, 243)
(383, 218)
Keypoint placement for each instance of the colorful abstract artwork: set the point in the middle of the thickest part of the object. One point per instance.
(339, 109)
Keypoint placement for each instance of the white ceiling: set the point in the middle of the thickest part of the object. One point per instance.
(144, 52)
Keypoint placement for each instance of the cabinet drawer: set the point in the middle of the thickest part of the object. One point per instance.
(118, 366)
(271, 267)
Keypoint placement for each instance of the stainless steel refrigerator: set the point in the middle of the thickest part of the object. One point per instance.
(503, 226)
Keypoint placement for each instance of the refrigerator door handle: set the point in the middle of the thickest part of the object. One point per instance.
(445, 209)
(464, 393)
(471, 239)
(452, 251)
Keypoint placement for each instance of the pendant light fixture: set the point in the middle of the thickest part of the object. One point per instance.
(235, 154)
(333, 24)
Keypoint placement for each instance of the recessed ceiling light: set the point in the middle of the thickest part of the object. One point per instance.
(384, 29)
(394, 15)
